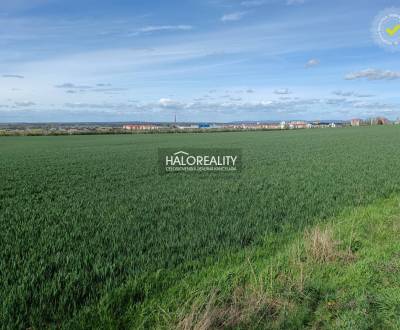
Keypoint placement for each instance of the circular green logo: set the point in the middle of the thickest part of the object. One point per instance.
(386, 29)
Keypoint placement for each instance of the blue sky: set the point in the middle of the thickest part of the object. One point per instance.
(205, 60)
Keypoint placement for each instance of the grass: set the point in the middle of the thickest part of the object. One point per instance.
(339, 275)
(344, 276)
(94, 237)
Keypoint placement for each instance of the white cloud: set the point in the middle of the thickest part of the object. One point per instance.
(157, 28)
(72, 86)
(230, 109)
(350, 94)
(337, 102)
(108, 90)
(312, 62)
(354, 105)
(233, 16)
(282, 91)
(98, 88)
(373, 74)
(13, 76)
(168, 103)
(378, 106)
(198, 105)
(24, 104)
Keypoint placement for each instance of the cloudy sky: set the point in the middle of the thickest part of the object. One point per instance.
(205, 60)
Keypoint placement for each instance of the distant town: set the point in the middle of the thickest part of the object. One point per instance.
(263, 125)
(11, 129)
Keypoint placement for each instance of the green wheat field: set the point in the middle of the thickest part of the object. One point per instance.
(305, 236)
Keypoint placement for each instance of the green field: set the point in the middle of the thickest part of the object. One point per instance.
(93, 237)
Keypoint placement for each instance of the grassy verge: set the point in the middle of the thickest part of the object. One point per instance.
(343, 274)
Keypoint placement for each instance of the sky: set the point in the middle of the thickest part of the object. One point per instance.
(203, 60)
